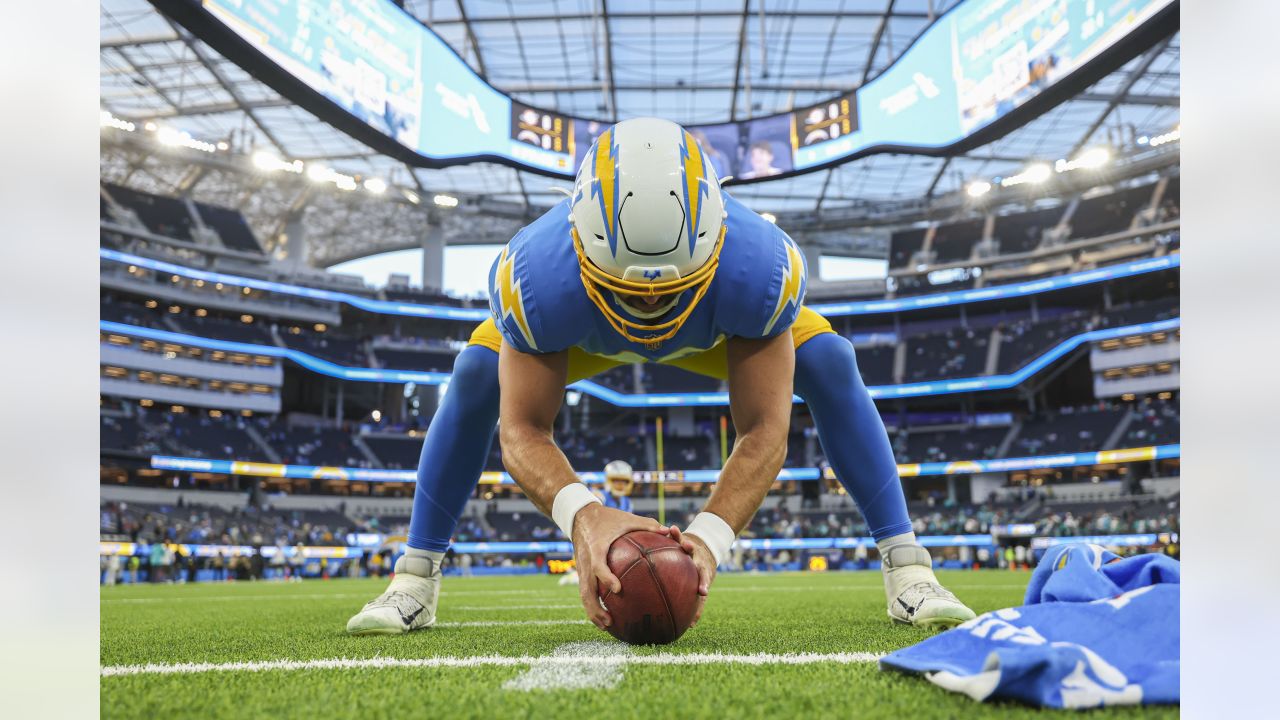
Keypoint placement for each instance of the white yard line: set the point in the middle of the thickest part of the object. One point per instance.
(810, 588)
(662, 658)
(315, 596)
(575, 606)
(587, 673)
(506, 623)
(230, 598)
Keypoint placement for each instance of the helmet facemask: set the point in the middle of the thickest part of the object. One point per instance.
(595, 280)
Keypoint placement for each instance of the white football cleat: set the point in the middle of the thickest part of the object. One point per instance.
(915, 596)
(408, 604)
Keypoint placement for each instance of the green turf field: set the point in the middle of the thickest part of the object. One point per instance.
(465, 669)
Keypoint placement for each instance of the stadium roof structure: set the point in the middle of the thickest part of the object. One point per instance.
(693, 61)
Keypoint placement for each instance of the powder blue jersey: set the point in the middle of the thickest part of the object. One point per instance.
(617, 502)
(540, 306)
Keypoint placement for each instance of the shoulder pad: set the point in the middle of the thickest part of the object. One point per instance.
(535, 289)
(762, 275)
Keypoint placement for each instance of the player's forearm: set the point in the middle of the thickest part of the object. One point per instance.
(748, 474)
(760, 400)
(536, 463)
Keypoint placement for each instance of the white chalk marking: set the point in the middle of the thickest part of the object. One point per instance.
(592, 671)
(577, 606)
(662, 658)
(505, 623)
(842, 588)
(310, 596)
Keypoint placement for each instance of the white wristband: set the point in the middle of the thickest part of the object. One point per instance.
(714, 531)
(568, 502)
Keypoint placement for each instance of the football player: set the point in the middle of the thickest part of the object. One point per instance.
(649, 260)
(619, 480)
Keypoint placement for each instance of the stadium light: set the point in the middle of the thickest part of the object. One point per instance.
(270, 162)
(1034, 174)
(266, 161)
(1173, 135)
(1097, 157)
(770, 217)
(180, 138)
(445, 201)
(978, 188)
(377, 186)
(411, 196)
(322, 173)
(1037, 173)
(1089, 160)
(106, 119)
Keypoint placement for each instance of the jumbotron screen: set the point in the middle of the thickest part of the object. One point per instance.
(974, 65)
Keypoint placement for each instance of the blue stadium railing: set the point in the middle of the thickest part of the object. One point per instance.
(837, 309)
(370, 541)
(961, 467)
(639, 400)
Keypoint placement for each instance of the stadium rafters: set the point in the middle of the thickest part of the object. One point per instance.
(693, 62)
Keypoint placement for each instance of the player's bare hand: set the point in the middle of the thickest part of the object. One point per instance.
(595, 527)
(703, 560)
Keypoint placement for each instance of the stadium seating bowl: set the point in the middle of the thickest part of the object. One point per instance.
(659, 589)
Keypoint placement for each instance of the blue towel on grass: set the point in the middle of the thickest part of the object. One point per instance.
(1096, 629)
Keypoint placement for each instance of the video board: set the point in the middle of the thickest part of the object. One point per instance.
(976, 64)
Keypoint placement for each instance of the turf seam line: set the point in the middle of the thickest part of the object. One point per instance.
(662, 658)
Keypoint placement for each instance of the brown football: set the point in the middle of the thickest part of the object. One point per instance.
(659, 589)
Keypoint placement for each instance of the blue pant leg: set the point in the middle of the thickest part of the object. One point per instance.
(456, 448)
(852, 433)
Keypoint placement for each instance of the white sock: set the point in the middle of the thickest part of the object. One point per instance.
(906, 538)
(905, 552)
(423, 563)
(438, 557)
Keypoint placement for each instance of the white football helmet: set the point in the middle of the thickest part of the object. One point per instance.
(648, 222)
(619, 470)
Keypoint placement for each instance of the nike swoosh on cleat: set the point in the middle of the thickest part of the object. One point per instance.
(408, 619)
(910, 610)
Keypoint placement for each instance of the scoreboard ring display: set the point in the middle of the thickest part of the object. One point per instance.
(376, 73)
